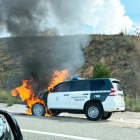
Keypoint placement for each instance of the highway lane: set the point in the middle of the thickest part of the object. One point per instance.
(66, 127)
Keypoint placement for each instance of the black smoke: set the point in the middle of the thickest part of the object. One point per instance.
(39, 56)
(32, 17)
(22, 17)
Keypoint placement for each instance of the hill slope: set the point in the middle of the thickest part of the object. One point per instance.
(121, 57)
(121, 54)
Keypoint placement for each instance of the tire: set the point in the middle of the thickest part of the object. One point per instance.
(38, 110)
(106, 115)
(94, 111)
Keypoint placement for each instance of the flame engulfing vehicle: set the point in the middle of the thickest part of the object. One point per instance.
(39, 109)
(96, 98)
(27, 95)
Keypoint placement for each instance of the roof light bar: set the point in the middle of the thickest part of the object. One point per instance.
(77, 78)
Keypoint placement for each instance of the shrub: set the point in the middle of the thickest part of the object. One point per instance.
(6, 97)
(130, 45)
(101, 71)
(121, 34)
(132, 104)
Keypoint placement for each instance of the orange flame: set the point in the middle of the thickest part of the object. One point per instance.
(27, 95)
(58, 77)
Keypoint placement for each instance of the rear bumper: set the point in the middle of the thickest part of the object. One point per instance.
(113, 106)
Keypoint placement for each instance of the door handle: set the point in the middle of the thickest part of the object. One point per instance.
(85, 94)
(66, 94)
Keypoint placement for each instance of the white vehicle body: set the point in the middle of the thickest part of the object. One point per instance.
(96, 98)
(110, 96)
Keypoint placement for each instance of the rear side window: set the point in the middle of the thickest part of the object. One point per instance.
(117, 86)
(96, 84)
(63, 87)
(80, 86)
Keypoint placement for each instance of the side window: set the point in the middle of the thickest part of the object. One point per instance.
(80, 85)
(117, 86)
(96, 85)
(63, 87)
(55, 88)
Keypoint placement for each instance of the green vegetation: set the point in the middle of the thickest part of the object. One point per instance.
(6, 97)
(138, 127)
(132, 104)
(121, 33)
(101, 71)
(130, 45)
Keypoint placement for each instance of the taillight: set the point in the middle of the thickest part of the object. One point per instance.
(112, 92)
(112, 89)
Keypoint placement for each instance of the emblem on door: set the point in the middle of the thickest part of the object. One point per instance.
(57, 98)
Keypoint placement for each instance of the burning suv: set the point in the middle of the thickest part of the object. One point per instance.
(96, 98)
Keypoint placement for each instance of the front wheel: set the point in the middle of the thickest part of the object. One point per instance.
(38, 110)
(106, 115)
(94, 111)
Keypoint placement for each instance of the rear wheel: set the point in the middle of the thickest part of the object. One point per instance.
(94, 111)
(106, 115)
(38, 110)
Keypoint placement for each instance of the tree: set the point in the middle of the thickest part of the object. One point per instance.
(101, 71)
(121, 33)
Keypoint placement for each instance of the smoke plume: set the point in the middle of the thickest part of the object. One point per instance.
(39, 56)
(22, 17)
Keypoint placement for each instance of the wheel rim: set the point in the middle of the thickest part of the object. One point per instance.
(38, 110)
(93, 112)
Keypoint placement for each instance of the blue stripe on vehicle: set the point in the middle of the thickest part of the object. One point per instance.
(100, 96)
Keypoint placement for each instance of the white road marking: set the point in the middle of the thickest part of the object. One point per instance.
(58, 135)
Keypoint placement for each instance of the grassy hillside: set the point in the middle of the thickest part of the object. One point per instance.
(121, 54)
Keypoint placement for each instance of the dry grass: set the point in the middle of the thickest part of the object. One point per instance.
(130, 45)
(132, 104)
(6, 97)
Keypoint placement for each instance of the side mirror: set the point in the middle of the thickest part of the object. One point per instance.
(51, 90)
(9, 128)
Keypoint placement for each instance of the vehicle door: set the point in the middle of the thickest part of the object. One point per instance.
(59, 98)
(80, 93)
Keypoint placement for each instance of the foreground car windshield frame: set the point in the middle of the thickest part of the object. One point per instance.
(13, 125)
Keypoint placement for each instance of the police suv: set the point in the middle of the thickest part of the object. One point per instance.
(96, 98)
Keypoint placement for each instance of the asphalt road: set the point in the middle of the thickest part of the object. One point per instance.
(121, 126)
(71, 127)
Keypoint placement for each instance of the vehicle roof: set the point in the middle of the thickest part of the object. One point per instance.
(111, 79)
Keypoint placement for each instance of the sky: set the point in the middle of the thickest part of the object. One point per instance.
(132, 8)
